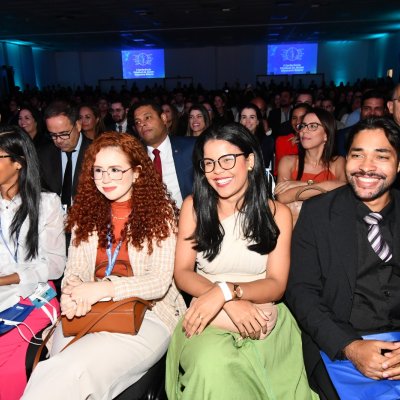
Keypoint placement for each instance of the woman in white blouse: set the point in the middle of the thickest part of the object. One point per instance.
(32, 251)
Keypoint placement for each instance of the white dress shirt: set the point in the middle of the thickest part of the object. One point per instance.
(50, 261)
(169, 176)
(124, 125)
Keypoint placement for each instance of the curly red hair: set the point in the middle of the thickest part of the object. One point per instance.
(153, 214)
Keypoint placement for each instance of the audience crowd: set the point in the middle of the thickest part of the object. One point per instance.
(168, 196)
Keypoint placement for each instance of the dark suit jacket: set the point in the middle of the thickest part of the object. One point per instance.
(323, 272)
(341, 139)
(113, 127)
(182, 151)
(274, 121)
(51, 166)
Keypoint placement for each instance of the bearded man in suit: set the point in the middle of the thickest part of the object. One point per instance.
(345, 272)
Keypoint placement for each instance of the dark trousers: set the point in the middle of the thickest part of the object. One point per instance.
(322, 384)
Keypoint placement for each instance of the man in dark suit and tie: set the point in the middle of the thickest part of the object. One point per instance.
(119, 113)
(344, 283)
(172, 156)
(280, 115)
(61, 160)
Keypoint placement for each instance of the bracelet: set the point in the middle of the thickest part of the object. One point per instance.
(225, 290)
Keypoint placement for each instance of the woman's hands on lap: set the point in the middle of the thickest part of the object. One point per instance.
(78, 297)
(202, 311)
(247, 317)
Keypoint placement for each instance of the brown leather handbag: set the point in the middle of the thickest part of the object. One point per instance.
(124, 316)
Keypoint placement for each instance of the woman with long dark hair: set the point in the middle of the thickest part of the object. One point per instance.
(31, 121)
(172, 118)
(287, 145)
(250, 116)
(234, 341)
(198, 120)
(315, 164)
(122, 212)
(92, 123)
(32, 250)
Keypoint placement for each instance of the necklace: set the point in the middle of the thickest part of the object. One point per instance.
(120, 218)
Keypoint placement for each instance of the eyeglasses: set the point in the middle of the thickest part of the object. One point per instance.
(226, 162)
(114, 173)
(62, 135)
(5, 156)
(312, 126)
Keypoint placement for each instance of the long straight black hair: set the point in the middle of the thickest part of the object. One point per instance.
(16, 143)
(258, 224)
(329, 125)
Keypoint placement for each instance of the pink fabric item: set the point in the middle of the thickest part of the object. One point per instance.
(13, 352)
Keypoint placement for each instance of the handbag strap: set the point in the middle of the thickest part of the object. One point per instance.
(125, 263)
(44, 343)
(110, 308)
(88, 326)
(305, 188)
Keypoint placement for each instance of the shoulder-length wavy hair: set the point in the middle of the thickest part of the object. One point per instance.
(36, 116)
(258, 224)
(153, 213)
(19, 146)
(204, 113)
(329, 125)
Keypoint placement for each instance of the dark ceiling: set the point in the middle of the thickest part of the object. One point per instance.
(104, 24)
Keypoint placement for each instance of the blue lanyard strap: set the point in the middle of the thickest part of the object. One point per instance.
(112, 257)
(15, 255)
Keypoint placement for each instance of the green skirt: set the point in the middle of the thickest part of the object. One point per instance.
(220, 365)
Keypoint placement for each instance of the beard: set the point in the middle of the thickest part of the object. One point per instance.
(372, 193)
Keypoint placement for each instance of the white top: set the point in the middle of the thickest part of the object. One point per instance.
(50, 261)
(169, 176)
(235, 262)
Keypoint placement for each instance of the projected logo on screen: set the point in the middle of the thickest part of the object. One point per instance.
(293, 58)
(143, 64)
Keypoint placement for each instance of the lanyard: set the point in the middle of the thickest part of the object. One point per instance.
(15, 255)
(110, 255)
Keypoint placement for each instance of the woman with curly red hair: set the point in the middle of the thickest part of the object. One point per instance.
(121, 212)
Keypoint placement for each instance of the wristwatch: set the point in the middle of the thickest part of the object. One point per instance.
(238, 291)
(310, 182)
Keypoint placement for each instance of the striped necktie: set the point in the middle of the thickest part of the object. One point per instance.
(378, 243)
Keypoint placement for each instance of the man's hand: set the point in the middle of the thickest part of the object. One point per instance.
(366, 355)
(391, 366)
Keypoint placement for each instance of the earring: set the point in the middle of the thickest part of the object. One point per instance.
(250, 169)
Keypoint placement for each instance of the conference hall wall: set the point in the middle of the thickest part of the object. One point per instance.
(210, 66)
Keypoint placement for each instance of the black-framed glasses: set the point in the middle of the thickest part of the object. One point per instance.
(312, 126)
(115, 174)
(5, 156)
(226, 162)
(62, 135)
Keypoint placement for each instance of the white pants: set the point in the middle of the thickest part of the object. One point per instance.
(100, 365)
